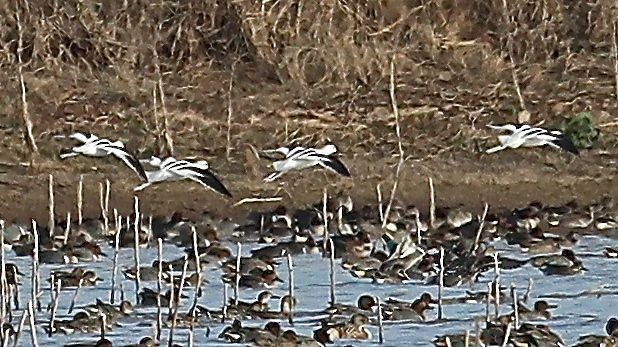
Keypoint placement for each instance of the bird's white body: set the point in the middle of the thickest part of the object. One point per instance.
(300, 158)
(171, 169)
(93, 146)
(527, 136)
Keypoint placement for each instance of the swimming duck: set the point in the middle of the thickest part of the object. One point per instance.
(354, 329)
(147, 273)
(259, 305)
(564, 264)
(535, 335)
(257, 278)
(76, 276)
(249, 263)
(148, 297)
(290, 338)
(540, 311)
(110, 311)
(286, 306)
(236, 333)
(365, 303)
(402, 310)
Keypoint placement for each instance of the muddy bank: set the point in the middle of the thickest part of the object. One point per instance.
(509, 179)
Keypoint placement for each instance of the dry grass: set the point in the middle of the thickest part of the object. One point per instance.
(319, 67)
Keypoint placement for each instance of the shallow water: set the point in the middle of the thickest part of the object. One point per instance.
(574, 316)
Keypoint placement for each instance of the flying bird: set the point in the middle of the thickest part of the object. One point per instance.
(527, 136)
(171, 169)
(92, 146)
(300, 158)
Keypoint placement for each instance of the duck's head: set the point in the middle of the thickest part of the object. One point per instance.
(359, 319)
(366, 302)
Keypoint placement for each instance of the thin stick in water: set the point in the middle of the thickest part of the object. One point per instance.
(515, 306)
(170, 340)
(488, 304)
(159, 287)
(67, 229)
(112, 294)
(20, 327)
(432, 204)
(36, 279)
(75, 295)
(291, 288)
(51, 225)
(441, 284)
(380, 325)
(35, 342)
(325, 217)
(380, 210)
(507, 334)
(198, 271)
(528, 290)
(52, 328)
(80, 199)
(332, 272)
(136, 224)
(237, 278)
(497, 285)
(477, 240)
(224, 308)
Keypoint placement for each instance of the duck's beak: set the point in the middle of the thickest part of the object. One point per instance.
(277, 279)
(552, 306)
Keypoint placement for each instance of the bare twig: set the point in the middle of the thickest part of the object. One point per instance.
(441, 284)
(51, 224)
(515, 305)
(67, 229)
(80, 199)
(112, 294)
(159, 289)
(432, 204)
(228, 144)
(615, 53)
(399, 144)
(332, 272)
(477, 240)
(28, 136)
(136, 226)
(237, 278)
(36, 279)
(379, 194)
(380, 325)
(291, 288)
(35, 342)
(52, 329)
(177, 303)
(75, 295)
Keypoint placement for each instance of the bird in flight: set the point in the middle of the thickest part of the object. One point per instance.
(92, 146)
(527, 136)
(171, 169)
(299, 158)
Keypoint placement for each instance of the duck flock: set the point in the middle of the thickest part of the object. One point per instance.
(414, 267)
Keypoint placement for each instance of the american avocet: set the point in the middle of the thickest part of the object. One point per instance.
(92, 146)
(171, 169)
(300, 158)
(527, 136)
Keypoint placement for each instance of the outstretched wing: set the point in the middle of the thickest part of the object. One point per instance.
(566, 143)
(128, 158)
(207, 178)
(334, 164)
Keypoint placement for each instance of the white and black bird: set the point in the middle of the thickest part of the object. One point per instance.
(92, 146)
(300, 158)
(527, 136)
(171, 169)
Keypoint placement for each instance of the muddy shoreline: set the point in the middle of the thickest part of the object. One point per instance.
(512, 178)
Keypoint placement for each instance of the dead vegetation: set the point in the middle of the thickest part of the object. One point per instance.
(158, 73)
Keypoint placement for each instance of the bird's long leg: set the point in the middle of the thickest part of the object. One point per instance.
(142, 186)
(273, 176)
(495, 149)
(68, 155)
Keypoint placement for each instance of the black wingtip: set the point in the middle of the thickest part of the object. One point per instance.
(337, 165)
(567, 144)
